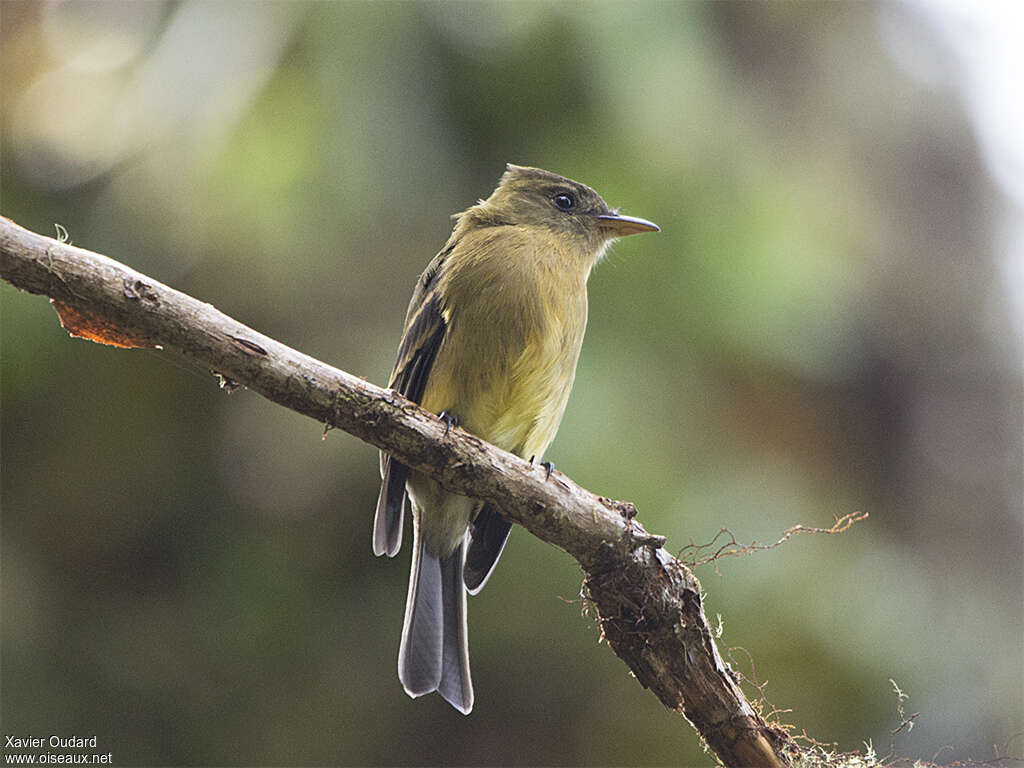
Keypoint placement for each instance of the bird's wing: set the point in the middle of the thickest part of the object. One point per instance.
(487, 536)
(424, 333)
(425, 329)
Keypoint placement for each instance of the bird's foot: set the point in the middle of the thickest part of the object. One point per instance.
(450, 420)
(547, 466)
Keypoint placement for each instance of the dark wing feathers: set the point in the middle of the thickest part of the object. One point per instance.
(387, 521)
(487, 536)
(424, 331)
(419, 346)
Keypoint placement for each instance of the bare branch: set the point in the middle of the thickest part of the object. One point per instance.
(648, 603)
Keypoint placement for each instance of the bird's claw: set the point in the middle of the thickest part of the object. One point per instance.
(450, 420)
(548, 466)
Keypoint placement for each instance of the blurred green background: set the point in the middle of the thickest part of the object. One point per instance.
(829, 322)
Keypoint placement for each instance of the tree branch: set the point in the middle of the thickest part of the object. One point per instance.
(648, 603)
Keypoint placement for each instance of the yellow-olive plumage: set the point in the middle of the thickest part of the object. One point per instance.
(491, 338)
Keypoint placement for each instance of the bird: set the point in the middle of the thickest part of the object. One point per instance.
(490, 343)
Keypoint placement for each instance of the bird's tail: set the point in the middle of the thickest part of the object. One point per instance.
(434, 655)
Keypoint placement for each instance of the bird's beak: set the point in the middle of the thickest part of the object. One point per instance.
(620, 226)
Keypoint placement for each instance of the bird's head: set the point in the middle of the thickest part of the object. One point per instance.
(535, 197)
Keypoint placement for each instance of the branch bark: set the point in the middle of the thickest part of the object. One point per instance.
(648, 603)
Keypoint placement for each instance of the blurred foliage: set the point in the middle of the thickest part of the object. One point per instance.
(820, 328)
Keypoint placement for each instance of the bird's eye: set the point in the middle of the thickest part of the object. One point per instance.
(564, 201)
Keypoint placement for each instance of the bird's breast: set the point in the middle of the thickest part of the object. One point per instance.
(508, 361)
